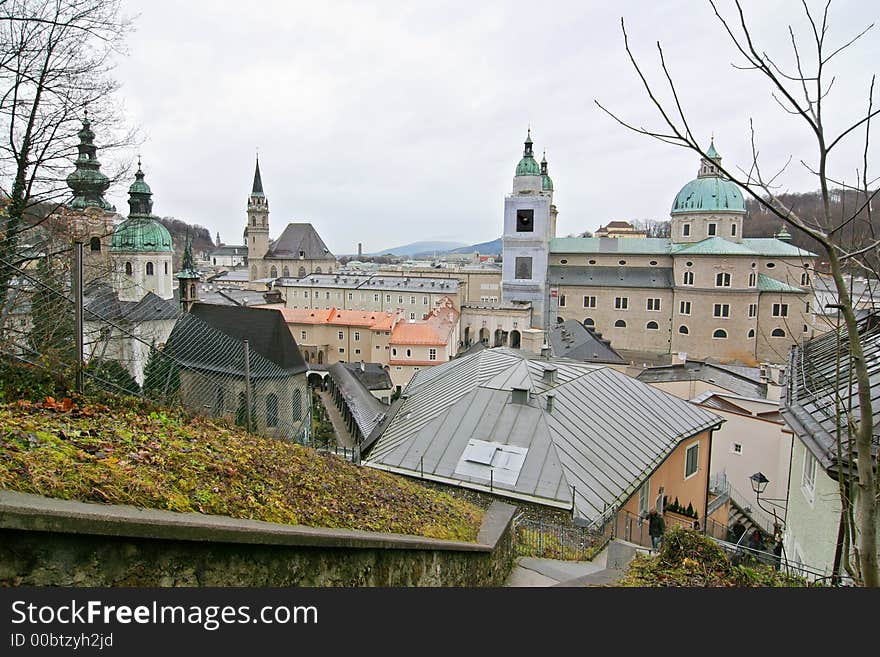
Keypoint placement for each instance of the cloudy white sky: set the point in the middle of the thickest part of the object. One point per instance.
(391, 122)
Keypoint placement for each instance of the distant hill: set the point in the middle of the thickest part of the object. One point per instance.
(483, 248)
(420, 247)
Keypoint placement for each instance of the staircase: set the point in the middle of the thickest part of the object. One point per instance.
(742, 508)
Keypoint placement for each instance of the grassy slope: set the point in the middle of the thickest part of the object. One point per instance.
(132, 453)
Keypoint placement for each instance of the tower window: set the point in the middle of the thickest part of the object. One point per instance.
(523, 268)
(733, 230)
(150, 270)
(128, 269)
(712, 229)
(166, 268)
(685, 230)
(525, 221)
(95, 244)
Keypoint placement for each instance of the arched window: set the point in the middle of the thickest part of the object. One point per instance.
(320, 357)
(271, 410)
(409, 353)
(273, 273)
(589, 322)
(95, 244)
(683, 330)
(652, 326)
(688, 278)
(192, 290)
(778, 333)
(150, 270)
(805, 279)
(301, 272)
(752, 279)
(285, 272)
(166, 268)
(751, 333)
(297, 405)
(317, 270)
(128, 269)
(720, 333)
(619, 324)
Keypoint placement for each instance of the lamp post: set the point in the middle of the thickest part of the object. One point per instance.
(759, 485)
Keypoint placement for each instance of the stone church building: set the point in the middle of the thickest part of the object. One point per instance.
(299, 250)
(706, 291)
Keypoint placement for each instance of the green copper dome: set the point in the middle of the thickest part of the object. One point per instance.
(710, 191)
(528, 166)
(709, 195)
(140, 233)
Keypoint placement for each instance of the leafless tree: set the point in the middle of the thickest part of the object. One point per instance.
(800, 88)
(56, 59)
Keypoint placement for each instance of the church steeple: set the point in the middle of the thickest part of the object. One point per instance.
(527, 165)
(87, 181)
(140, 196)
(709, 166)
(258, 182)
(188, 278)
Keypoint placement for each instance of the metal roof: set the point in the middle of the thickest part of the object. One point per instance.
(298, 238)
(819, 382)
(571, 339)
(768, 247)
(375, 283)
(742, 381)
(650, 277)
(366, 410)
(767, 284)
(605, 434)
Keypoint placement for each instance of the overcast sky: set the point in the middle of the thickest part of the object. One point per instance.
(392, 122)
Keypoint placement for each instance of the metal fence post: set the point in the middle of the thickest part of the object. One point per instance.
(78, 312)
(247, 383)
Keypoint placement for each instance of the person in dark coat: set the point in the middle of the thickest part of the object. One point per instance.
(656, 527)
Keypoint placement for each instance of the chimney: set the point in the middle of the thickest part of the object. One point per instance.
(545, 351)
(550, 400)
(550, 374)
(360, 250)
(520, 396)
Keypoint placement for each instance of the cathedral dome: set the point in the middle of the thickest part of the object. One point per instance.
(710, 191)
(711, 194)
(140, 233)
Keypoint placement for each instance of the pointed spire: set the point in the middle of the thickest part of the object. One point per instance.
(544, 163)
(712, 153)
(87, 182)
(188, 264)
(258, 182)
(527, 151)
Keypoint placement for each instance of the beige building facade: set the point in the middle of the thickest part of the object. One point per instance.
(707, 292)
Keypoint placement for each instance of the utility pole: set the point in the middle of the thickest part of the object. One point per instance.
(78, 312)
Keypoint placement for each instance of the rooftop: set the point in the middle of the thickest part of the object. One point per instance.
(376, 282)
(606, 432)
(435, 330)
(298, 238)
(814, 390)
(571, 339)
(374, 320)
(768, 247)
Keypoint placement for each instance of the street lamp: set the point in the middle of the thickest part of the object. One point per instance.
(759, 483)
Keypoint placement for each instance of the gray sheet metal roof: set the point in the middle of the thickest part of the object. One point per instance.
(735, 380)
(606, 433)
(651, 277)
(812, 391)
(368, 412)
(374, 283)
(571, 339)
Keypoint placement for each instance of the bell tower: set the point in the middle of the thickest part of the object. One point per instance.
(257, 229)
(528, 228)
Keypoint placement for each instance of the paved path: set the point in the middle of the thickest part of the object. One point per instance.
(604, 570)
(343, 438)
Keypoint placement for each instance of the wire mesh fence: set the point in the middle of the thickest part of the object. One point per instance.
(549, 539)
(136, 342)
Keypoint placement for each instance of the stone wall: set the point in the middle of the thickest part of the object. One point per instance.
(50, 542)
